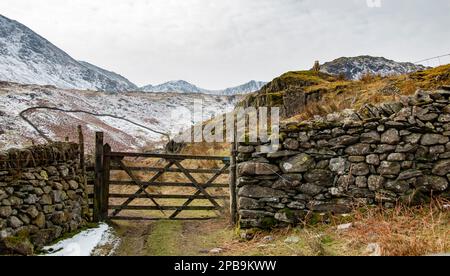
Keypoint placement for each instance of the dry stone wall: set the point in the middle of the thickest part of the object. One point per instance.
(395, 152)
(42, 196)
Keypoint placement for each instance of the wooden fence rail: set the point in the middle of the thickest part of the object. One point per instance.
(107, 162)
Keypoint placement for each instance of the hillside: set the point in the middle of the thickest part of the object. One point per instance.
(353, 68)
(303, 94)
(161, 112)
(114, 77)
(26, 57)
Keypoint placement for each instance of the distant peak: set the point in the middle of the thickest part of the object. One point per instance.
(355, 67)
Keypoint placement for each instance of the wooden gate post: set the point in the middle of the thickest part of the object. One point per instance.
(233, 177)
(81, 152)
(98, 186)
(105, 181)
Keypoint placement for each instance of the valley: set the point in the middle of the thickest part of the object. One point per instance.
(158, 111)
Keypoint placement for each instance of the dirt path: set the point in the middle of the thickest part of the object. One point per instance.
(171, 238)
(133, 238)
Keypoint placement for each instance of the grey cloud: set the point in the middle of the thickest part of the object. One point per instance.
(221, 43)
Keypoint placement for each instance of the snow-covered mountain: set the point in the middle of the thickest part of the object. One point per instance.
(177, 86)
(181, 86)
(124, 82)
(26, 57)
(246, 88)
(354, 67)
(164, 112)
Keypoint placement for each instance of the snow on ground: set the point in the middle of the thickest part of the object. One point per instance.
(84, 243)
(158, 111)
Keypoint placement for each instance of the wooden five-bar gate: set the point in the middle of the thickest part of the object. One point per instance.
(108, 204)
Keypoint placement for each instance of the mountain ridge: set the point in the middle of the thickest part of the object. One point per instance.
(26, 57)
(353, 68)
(182, 86)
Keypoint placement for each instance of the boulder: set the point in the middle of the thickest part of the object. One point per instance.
(360, 169)
(330, 208)
(46, 200)
(396, 157)
(339, 165)
(389, 168)
(371, 137)
(252, 214)
(32, 212)
(345, 140)
(397, 186)
(39, 221)
(442, 168)
(283, 184)
(433, 139)
(260, 192)
(290, 216)
(310, 189)
(15, 222)
(405, 175)
(390, 137)
(382, 196)
(5, 211)
(358, 150)
(384, 148)
(407, 148)
(73, 184)
(373, 159)
(291, 144)
(18, 245)
(375, 182)
(319, 177)
(361, 182)
(413, 138)
(345, 181)
(280, 154)
(298, 164)
(254, 168)
(437, 183)
(296, 205)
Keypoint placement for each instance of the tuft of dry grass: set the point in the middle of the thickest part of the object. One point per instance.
(403, 231)
(370, 77)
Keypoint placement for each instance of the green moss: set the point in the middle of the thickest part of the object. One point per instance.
(314, 218)
(44, 175)
(275, 99)
(307, 77)
(292, 128)
(268, 222)
(289, 213)
(19, 244)
(163, 239)
(327, 239)
(20, 238)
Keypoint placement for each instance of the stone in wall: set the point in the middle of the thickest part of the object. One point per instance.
(42, 196)
(386, 154)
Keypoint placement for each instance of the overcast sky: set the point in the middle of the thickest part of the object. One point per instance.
(221, 43)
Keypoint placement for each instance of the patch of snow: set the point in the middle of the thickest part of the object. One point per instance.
(81, 244)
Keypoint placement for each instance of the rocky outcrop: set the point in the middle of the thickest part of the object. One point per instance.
(395, 152)
(42, 196)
